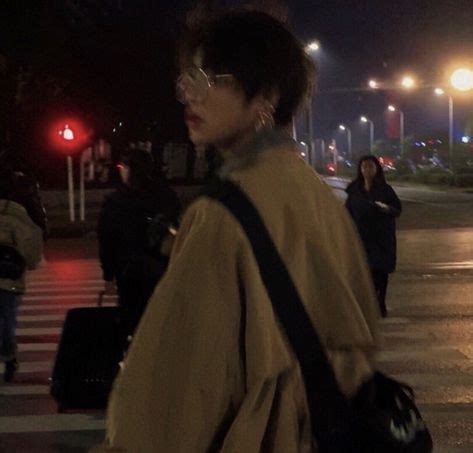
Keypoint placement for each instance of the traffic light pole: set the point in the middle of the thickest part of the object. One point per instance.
(70, 186)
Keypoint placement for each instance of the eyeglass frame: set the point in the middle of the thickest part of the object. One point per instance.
(210, 81)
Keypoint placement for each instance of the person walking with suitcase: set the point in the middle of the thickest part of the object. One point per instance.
(21, 246)
(132, 225)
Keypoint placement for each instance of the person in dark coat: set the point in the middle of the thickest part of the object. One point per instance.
(124, 232)
(374, 206)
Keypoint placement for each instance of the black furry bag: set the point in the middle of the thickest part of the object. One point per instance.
(382, 417)
(12, 264)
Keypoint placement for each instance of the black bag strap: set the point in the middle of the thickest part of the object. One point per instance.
(329, 408)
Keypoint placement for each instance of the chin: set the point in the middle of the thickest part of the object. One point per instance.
(198, 139)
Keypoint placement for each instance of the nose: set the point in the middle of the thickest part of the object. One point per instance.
(184, 92)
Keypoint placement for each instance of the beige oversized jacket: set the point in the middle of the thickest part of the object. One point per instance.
(209, 368)
(19, 231)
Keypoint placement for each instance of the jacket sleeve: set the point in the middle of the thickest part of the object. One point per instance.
(29, 241)
(107, 236)
(358, 206)
(181, 371)
(395, 207)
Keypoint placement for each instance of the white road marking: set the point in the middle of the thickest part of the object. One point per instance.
(51, 423)
(14, 390)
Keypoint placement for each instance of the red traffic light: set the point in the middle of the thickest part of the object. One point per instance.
(69, 135)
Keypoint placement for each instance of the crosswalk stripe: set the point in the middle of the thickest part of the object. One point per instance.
(63, 297)
(16, 390)
(35, 347)
(35, 367)
(48, 307)
(29, 331)
(56, 289)
(53, 281)
(39, 318)
(51, 423)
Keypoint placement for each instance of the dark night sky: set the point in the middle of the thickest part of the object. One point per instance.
(360, 39)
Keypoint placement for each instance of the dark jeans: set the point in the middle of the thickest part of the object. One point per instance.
(380, 280)
(8, 309)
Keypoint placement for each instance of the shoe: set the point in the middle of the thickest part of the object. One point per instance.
(10, 369)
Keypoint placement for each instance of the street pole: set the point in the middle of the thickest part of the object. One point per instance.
(450, 130)
(350, 155)
(401, 131)
(310, 124)
(294, 130)
(371, 135)
(82, 189)
(70, 185)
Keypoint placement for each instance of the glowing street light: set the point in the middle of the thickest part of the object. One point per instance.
(346, 129)
(373, 84)
(439, 91)
(392, 108)
(364, 119)
(408, 82)
(462, 79)
(313, 46)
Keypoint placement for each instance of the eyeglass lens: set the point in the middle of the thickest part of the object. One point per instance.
(194, 83)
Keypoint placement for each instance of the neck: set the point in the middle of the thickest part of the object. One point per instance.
(368, 184)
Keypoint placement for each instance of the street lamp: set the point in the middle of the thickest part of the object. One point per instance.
(364, 119)
(312, 46)
(408, 82)
(391, 108)
(441, 92)
(373, 84)
(462, 79)
(346, 129)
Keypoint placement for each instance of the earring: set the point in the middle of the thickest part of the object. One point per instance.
(265, 117)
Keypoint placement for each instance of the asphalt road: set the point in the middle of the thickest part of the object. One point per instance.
(427, 340)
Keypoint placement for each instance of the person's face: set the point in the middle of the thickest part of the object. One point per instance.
(217, 113)
(368, 169)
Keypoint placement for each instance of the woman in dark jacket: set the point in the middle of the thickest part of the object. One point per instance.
(124, 230)
(374, 206)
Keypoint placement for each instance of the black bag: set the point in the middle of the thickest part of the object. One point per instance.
(88, 357)
(12, 264)
(382, 416)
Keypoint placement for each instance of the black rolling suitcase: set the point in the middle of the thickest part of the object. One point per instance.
(88, 356)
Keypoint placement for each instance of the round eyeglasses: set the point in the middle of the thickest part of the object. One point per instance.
(195, 84)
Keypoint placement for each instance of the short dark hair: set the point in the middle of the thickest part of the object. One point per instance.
(379, 178)
(260, 52)
(142, 170)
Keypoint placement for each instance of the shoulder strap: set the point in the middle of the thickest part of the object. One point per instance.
(328, 406)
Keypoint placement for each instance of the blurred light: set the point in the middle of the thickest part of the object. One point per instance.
(373, 84)
(114, 129)
(391, 108)
(313, 46)
(439, 91)
(462, 79)
(120, 124)
(342, 127)
(67, 133)
(303, 143)
(465, 139)
(423, 144)
(363, 119)
(408, 82)
(303, 154)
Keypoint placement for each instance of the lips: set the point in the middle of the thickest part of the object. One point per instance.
(191, 118)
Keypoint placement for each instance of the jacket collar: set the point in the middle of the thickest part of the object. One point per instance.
(263, 141)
